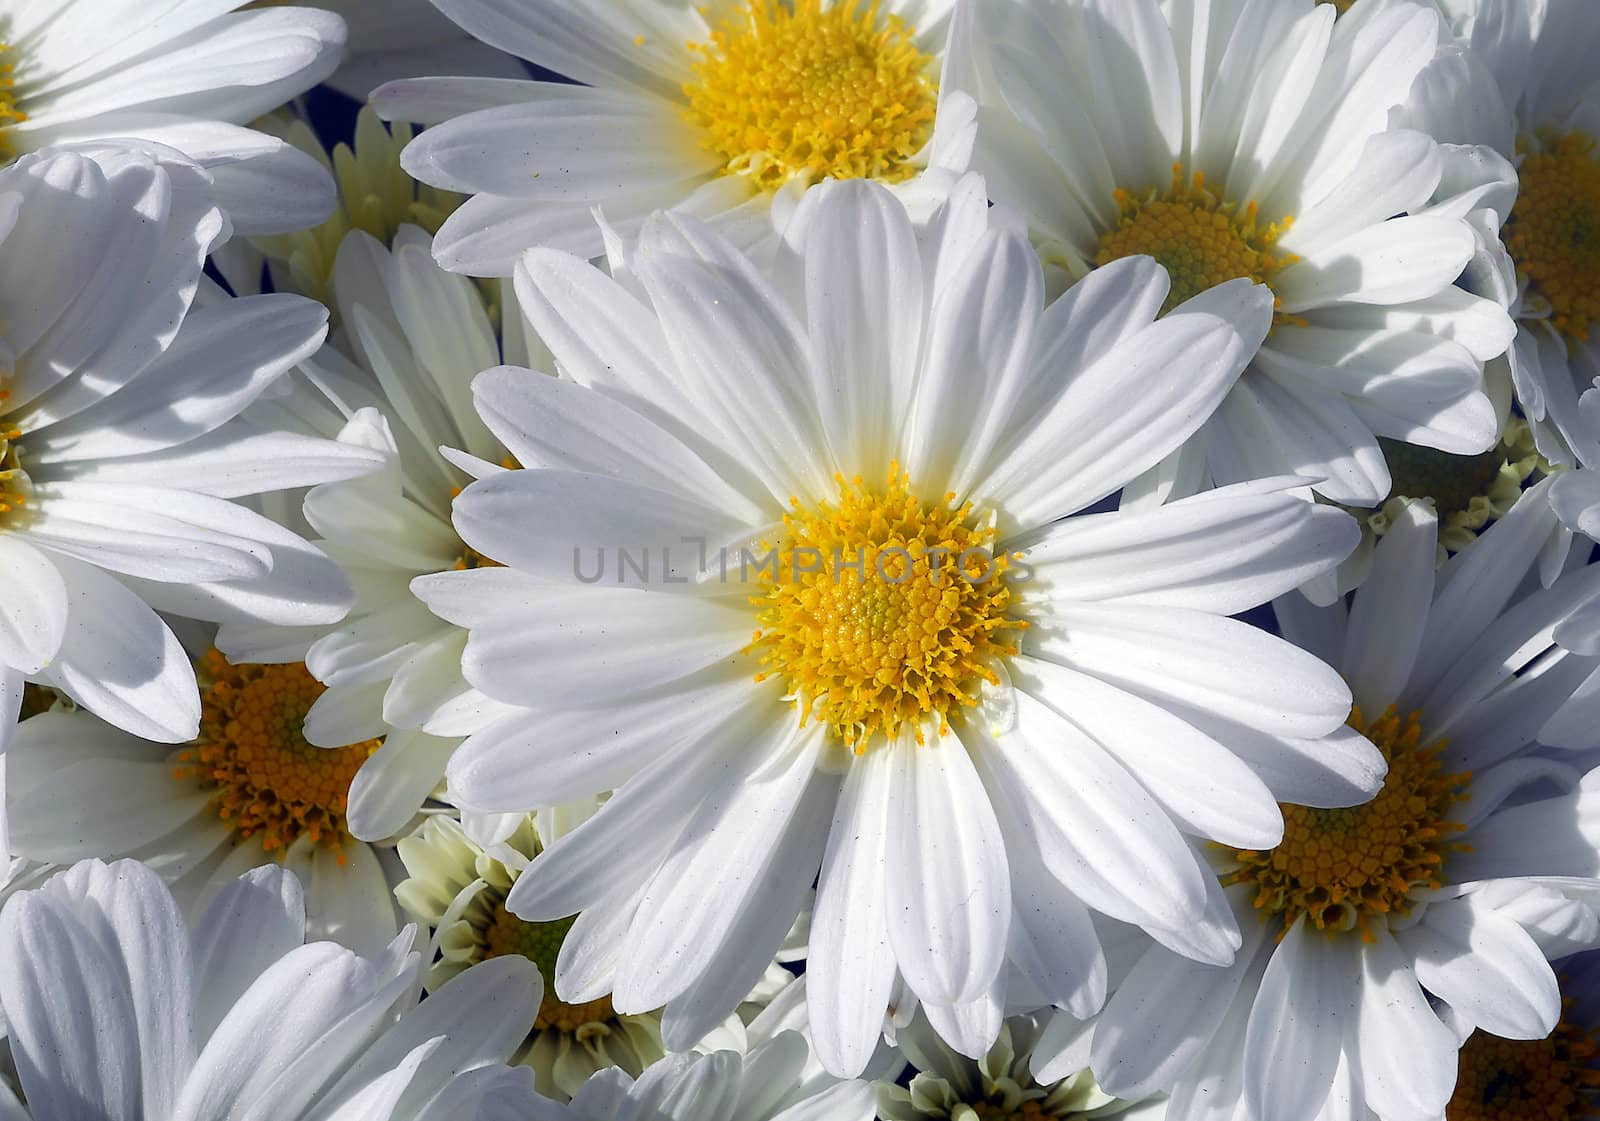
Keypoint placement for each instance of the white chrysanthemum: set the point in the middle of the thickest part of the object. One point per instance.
(1248, 139)
(973, 751)
(416, 336)
(723, 112)
(116, 1008)
(248, 791)
(392, 39)
(998, 1087)
(764, 1084)
(1518, 90)
(1520, 94)
(1378, 936)
(457, 889)
(122, 442)
(185, 74)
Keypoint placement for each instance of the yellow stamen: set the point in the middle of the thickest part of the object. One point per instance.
(9, 113)
(1553, 234)
(252, 751)
(812, 91)
(884, 609)
(1201, 239)
(1344, 869)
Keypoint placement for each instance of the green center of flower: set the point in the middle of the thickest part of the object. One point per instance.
(1452, 481)
(540, 943)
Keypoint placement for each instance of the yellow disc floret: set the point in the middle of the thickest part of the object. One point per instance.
(9, 113)
(1199, 238)
(1344, 869)
(1550, 1079)
(1553, 234)
(252, 751)
(813, 90)
(540, 943)
(883, 609)
(16, 489)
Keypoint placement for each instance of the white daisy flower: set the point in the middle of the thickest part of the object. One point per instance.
(248, 791)
(392, 39)
(1517, 89)
(457, 887)
(123, 443)
(117, 1008)
(1249, 140)
(760, 1085)
(1517, 92)
(416, 336)
(1377, 936)
(724, 111)
(951, 1087)
(996, 770)
(183, 74)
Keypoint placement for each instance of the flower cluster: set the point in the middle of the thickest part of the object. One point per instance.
(799, 560)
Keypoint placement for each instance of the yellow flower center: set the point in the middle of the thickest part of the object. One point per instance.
(1551, 1079)
(252, 751)
(1553, 234)
(540, 943)
(810, 90)
(9, 113)
(1342, 5)
(883, 609)
(16, 489)
(1199, 238)
(1344, 869)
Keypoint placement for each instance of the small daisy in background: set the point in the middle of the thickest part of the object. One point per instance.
(248, 791)
(183, 75)
(726, 112)
(123, 446)
(115, 1007)
(1519, 97)
(951, 1087)
(1250, 141)
(1008, 773)
(457, 887)
(395, 384)
(1378, 936)
(374, 196)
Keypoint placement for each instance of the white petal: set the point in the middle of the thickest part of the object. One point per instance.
(851, 967)
(1292, 1044)
(1407, 1057)
(1391, 611)
(950, 891)
(1486, 967)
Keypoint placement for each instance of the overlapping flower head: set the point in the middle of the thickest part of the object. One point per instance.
(845, 611)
